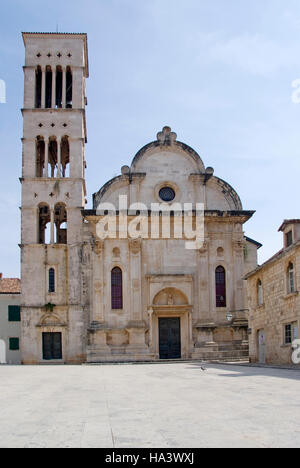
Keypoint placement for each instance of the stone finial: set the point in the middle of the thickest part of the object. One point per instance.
(166, 136)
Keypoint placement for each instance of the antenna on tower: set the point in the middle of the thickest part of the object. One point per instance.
(57, 28)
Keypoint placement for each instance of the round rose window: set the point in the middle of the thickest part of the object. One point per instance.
(167, 194)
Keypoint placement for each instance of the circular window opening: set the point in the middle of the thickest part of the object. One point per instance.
(167, 194)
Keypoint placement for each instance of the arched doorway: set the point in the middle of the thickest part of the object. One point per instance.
(170, 306)
(2, 352)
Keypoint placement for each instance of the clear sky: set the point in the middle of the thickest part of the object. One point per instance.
(218, 72)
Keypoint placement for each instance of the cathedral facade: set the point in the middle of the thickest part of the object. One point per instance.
(123, 281)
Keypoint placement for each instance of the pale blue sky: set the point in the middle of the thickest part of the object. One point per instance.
(218, 72)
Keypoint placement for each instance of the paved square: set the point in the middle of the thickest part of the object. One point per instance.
(153, 405)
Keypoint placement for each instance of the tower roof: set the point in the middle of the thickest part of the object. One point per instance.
(61, 35)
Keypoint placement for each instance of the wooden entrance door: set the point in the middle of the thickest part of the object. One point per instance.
(169, 338)
(52, 346)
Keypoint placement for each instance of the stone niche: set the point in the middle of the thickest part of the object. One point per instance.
(170, 297)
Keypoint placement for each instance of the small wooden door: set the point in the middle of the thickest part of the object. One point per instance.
(262, 346)
(52, 346)
(169, 338)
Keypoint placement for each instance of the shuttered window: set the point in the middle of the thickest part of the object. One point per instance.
(14, 313)
(14, 344)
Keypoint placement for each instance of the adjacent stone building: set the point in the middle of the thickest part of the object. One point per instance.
(89, 297)
(274, 301)
(10, 320)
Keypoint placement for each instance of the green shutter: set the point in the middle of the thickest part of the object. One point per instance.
(14, 313)
(14, 344)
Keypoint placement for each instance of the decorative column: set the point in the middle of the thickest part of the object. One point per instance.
(238, 262)
(206, 319)
(98, 348)
(136, 327)
(150, 315)
(136, 280)
(97, 313)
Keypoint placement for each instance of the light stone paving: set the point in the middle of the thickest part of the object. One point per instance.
(152, 405)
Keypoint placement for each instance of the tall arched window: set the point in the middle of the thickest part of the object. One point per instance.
(51, 280)
(220, 287)
(260, 298)
(65, 157)
(69, 88)
(44, 223)
(291, 279)
(60, 222)
(40, 156)
(48, 89)
(52, 156)
(116, 289)
(38, 87)
(58, 87)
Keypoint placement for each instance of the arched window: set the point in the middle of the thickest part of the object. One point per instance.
(40, 156)
(52, 163)
(220, 287)
(260, 298)
(291, 279)
(69, 88)
(58, 87)
(65, 157)
(48, 90)
(44, 224)
(116, 289)
(51, 280)
(38, 88)
(60, 222)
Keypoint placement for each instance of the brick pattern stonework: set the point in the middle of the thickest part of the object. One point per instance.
(276, 307)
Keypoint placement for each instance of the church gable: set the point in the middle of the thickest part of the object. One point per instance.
(167, 170)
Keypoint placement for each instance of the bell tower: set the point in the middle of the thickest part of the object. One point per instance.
(53, 196)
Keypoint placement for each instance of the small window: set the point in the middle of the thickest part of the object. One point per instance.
(259, 293)
(288, 334)
(291, 333)
(167, 194)
(14, 344)
(51, 280)
(289, 238)
(14, 313)
(291, 279)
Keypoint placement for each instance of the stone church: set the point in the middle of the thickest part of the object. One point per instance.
(93, 298)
